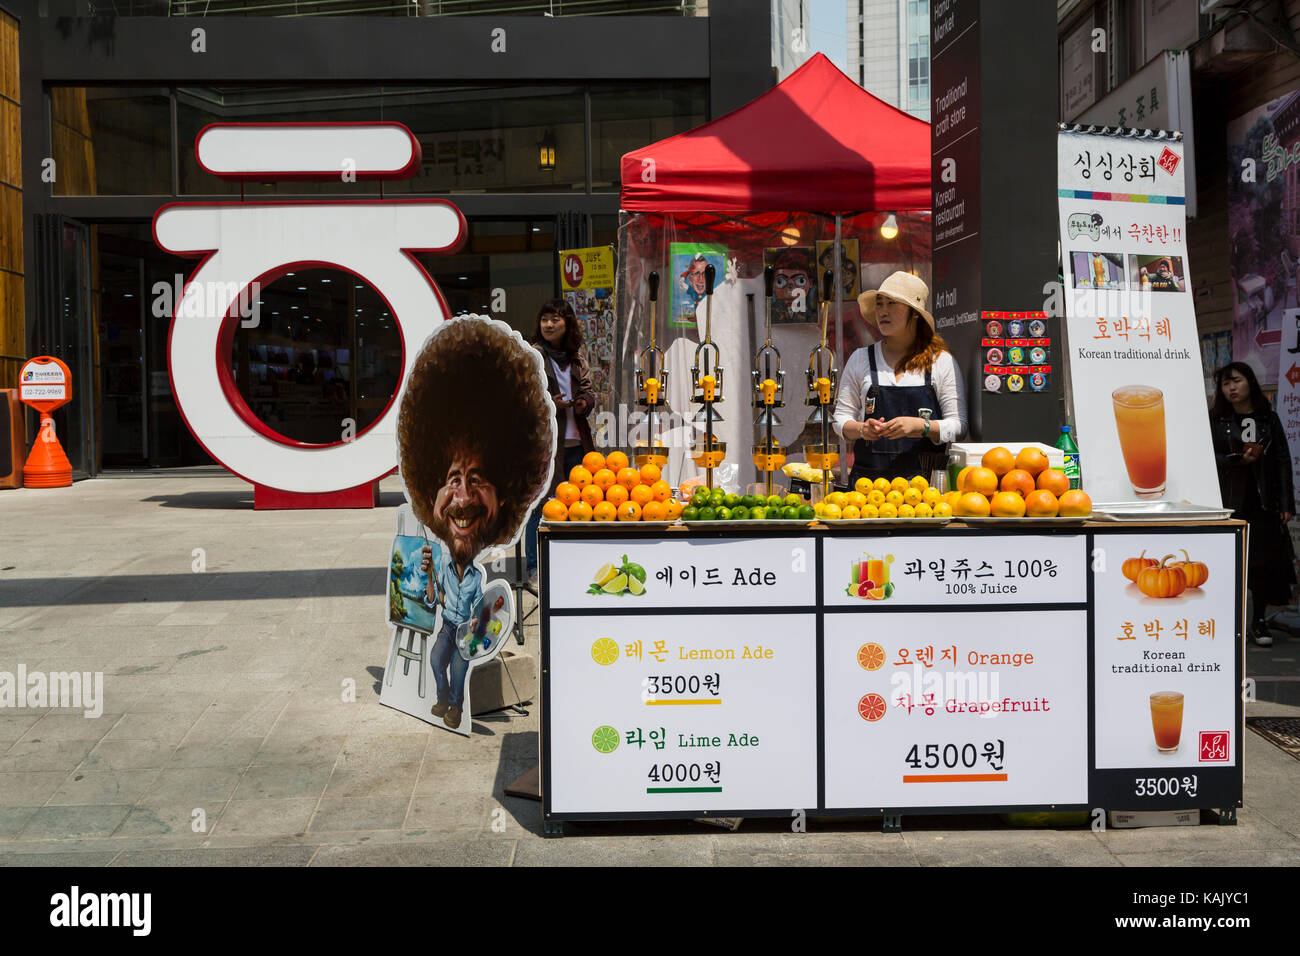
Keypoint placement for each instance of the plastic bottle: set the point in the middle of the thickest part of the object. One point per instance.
(1071, 450)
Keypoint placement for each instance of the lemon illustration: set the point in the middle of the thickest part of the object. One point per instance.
(634, 586)
(604, 651)
(605, 574)
(615, 585)
(605, 739)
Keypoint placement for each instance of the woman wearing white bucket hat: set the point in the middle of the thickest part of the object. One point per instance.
(900, 398)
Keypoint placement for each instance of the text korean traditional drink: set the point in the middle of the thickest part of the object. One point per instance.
(1167, 719)
(1140, 422)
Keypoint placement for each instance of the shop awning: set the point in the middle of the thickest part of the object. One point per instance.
(816, 142)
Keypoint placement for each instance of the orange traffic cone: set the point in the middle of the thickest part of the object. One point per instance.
(47, 466)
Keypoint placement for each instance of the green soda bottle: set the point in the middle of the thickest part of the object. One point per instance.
(1071, 450)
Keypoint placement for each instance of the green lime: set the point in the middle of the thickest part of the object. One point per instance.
(605, 739)
(790, 513)
(635, 587)
(807, 513)
(774, 514)
(751, 501)
(774, 501)
(740, 513)
(707, 514)
(700, 496)
(615, 585)
(731, 500)
(793, 500)
(757, 513)
(889, 588)
(724, 513)
(690, 513)
(717, 499)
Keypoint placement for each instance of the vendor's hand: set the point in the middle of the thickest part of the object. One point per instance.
(873, 428)
(426, 559)
(905, 426)
(1286, 517)
(560, 402)
(580, 406)
(1252, 451)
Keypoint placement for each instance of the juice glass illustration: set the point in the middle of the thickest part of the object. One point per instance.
(1167, 719)
(874, 570)
(1140, 421)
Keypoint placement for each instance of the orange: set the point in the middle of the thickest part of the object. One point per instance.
(616, 495)
(580, 511)
(1054, 480)
(641, 494)
(629, 478)
(629, 511)
(961, 478)
(592, 495)
(616, 460)
(1075, 504)
(871, 657)
(983, 481)
(580, 476)
(872, 707)
(654, 511)
(603, 478)
(649, 473)
(1007, 504)
(593, 461)
(1019, 481)
(999, 460)
(568, 492)
(604, 511)
(972, 505)
(951, 498)
(1041, 504)
(660, 490)
(555, 510)
(1032, 460)
(674, 508)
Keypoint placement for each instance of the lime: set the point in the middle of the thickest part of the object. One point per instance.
(775, 514)
(731, 500)
(615, 585)
(757, 513)
(700, 492)
(605, 739)
(717, 499)
(707, 513)
(723, 513)
(635, 587)
(790, 513)
(751, 501)
(740, 513)
(605, 574)
(775, 501)
(690, 513)
(806, 513)
(793, 500)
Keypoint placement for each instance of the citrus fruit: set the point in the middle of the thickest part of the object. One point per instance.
(555, 510)
(791, 512)
(906, 511)
(615, 460)
(881, 485)
(792, 500)
(568, 492)
(999, 460)
(616, 495)
(895, 498)
(580, 511)
(899, 484)
(649, 473)
(943, 510)
(740, 513)
(604, 651)
(912, 496)
(604, 511)
(952, 497)
(605, 740)
(1054, 480)
(832, 512)
(919, 483)
(708, 513)
(862, 485)
(807, 513)
(634, 586)
(870, 708)
(580, 476)
(606, 573)
(855, 498)
(870, 511)
(675, 508)
(758, 513)
(654, 510)
(1019, 481)
(690, 513)
(983, 481)
(641, 494)
(629, 511)
(871, 656)
(876, 594)
(592, 495)
(722, 514)
(835, 498)
(615, 585)
(961, 478)
(850, 513)
(1032, 460)
(593, 461)
(1007, 504)
(661, 490)
(603, 478)
(924, 511)
(888, 510)
(629, 478)
(1041, 504)
(931, 496)
(972, 505)
(1075, 504)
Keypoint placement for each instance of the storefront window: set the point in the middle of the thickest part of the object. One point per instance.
(110, 142)
(627, 118)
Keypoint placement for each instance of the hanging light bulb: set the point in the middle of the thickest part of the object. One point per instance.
(889, 228)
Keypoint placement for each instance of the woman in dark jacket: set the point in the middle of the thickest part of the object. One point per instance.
(558, 336)
(1254, 461)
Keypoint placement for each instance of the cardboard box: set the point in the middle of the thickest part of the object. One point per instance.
(970, 453)
(1127, 820)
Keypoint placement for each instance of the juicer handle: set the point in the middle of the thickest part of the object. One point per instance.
(769, 280)
(654, 287)
(709, 273)
(828, 283)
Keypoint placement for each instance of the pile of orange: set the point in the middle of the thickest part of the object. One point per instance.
(1022, 485)
(607, 489)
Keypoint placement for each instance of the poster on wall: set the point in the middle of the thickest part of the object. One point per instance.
(688, 262)
(849, 262)
(1135, 354)
(794, 291)
(474, 463)
(1263, 229)
(587, 283)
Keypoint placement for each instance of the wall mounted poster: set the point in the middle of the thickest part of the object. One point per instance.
(1263, 229)
(849, 263)
(687, 265)
(1135, 355)
(794, 290)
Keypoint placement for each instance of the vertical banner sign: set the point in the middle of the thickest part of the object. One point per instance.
(587, 281)
(1135, 357)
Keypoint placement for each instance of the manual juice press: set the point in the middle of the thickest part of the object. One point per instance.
(769, 394)
(706, 384)
(823, 379)
(651, 390)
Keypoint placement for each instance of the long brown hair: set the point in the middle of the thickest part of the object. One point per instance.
(925, 350)
(572, 327)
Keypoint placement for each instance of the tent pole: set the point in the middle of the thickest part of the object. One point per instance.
(839, 325)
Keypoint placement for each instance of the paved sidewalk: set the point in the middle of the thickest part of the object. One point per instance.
(223, 704)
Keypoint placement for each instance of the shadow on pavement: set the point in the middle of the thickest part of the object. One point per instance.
(126, 589)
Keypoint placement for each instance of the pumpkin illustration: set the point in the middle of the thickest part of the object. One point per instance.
(1163, 580)
(1196, 572)
(1135, 566)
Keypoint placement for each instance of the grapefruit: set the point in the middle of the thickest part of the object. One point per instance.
(1054, 480)
(972, 505)
(1007, 504)
(999, 460)
(1032, 460)
(1075, 504)
(1041, 504)
(1019, 481)
(983, 481)
(961, 478)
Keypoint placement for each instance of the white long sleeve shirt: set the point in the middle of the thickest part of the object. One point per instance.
(945, 376)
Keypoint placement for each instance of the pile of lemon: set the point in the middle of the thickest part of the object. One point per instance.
(607, 488)
(885, 498)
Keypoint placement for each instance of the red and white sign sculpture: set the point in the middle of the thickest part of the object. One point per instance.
(242, 243)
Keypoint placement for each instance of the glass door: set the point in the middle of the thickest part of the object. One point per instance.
(123, 361)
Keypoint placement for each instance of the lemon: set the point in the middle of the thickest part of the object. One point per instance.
(881, 485)
(876, 497)
(831, 512)
(863, 485)
(888, 510)
(604, 575)
(906, 511)
(912, 497)
(931, 496)
(850, 513)
(899, 484)
(605, 740)
(615, 585)
(895, 498)
(604, 651)
(634, 586)
(919, 483)
(819, 509)
(855, 498)
(924, 511)
(943, 510)
(835, 498)
(870, 511)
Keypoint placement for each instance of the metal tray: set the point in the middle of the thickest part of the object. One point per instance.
(605, 524)
(1026, 522)
(887, 522)
(1158, 511)
(748, 523)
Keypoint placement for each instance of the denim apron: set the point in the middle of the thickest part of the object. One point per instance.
(894, 457)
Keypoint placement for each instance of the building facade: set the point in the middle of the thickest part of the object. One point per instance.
(889, 51)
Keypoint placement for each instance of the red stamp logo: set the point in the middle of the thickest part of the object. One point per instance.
(572, 271)
(1214, 746)
(1168, 160)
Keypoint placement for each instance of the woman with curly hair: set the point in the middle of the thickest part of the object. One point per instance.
(558, 336)
(475, 440)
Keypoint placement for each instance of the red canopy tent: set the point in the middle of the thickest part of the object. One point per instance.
(817, 142)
